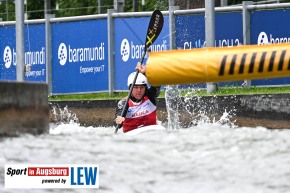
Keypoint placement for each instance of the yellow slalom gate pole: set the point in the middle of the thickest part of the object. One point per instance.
(218, 64)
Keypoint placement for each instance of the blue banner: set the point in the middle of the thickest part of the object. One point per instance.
(190, 33)
(8, 53)
(80, 56)
(190, 30)
(34, 52)
(270, 27)
(130, 36)
(80, 50)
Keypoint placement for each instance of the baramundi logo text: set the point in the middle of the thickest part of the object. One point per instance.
(263, 38)
(30, 57)
(74, 54)
(135, 51)
(69, 54)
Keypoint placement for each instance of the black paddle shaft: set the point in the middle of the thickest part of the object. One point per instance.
(154, 29)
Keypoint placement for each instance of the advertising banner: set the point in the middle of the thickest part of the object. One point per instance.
(80, 50)
(34, 52)
(7, 53)
(270, 27)
(190, 33)
(190, 30)
(129, 45)
(80, 56)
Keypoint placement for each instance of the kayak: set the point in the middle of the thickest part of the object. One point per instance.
(145, 129)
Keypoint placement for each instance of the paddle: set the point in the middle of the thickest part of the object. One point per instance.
(154, 29)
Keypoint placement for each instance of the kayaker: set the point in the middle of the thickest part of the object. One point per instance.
(141, 108)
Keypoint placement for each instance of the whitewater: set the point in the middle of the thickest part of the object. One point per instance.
(206, 158)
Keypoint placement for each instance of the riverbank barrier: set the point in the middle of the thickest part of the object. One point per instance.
(267, 110)
(23, 108)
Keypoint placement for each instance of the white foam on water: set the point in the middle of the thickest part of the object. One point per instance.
(209, 157)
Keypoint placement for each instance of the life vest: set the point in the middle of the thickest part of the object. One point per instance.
(139, 114)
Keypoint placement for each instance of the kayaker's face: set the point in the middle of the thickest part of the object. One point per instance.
(138, 91)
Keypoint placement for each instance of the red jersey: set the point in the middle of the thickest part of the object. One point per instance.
(139, 114)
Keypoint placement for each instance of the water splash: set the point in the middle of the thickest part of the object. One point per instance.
(193, 110)
(64, 115)
(226, 119)
(172, 98)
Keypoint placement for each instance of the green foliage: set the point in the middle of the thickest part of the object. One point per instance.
(11, 11)
(92, 96)
(150, 5)
(77, 7)
(233, 90)
(153, 5)
(35, 8)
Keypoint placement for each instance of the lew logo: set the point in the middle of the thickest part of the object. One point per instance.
(264, 39)
(51, 176)
(7, 57)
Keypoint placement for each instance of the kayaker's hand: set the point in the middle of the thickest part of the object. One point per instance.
(141, 68)
(120, 120)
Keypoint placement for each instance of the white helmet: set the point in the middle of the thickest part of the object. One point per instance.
(141, 79)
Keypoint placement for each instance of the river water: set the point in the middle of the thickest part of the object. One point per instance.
(206, 158)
